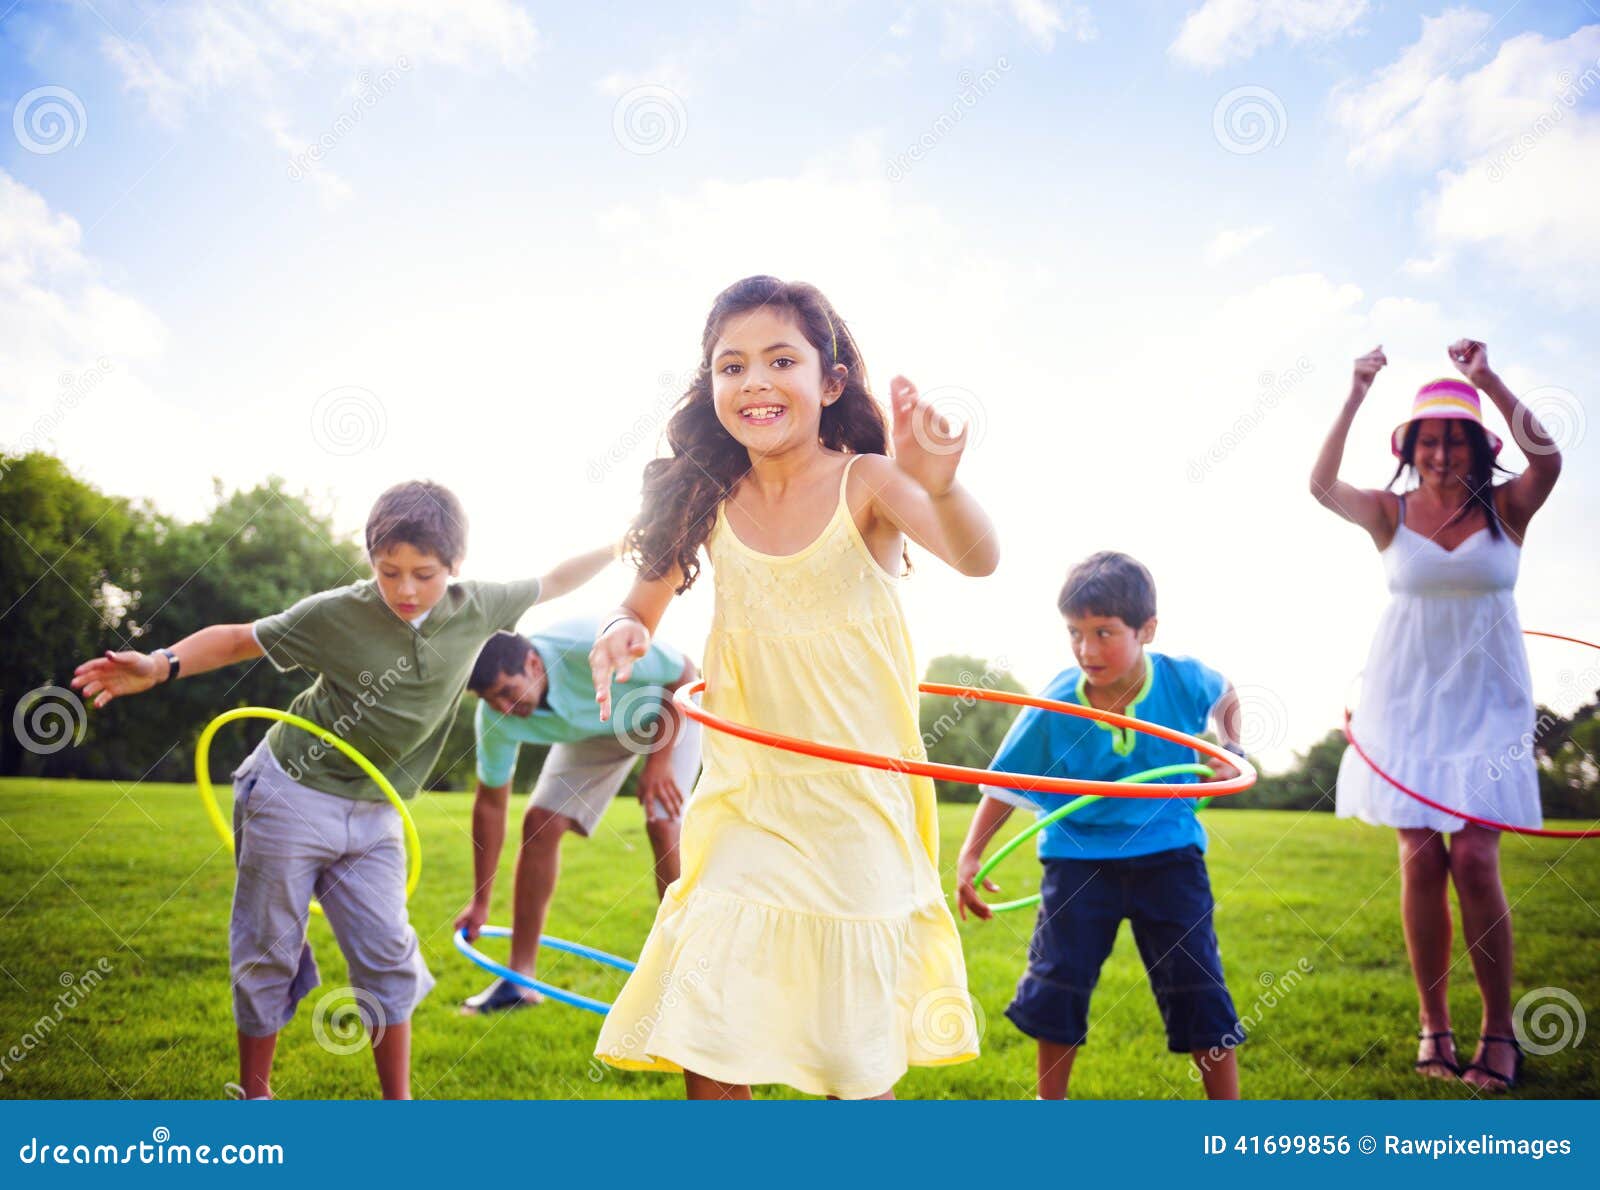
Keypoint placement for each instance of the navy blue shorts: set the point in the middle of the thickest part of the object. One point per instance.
(1167, 897)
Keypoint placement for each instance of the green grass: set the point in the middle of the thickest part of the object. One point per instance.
(134, 876)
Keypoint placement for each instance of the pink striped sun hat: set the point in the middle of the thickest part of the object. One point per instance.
(1446, 398)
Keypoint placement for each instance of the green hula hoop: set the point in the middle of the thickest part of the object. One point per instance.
(1077, 803)
(208, 794)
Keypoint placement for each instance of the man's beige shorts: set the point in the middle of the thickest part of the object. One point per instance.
(579, 780)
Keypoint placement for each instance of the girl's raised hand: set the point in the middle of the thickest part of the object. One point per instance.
(1471, 359)
(614, 652)
(1368, 367)
(924, 447)
(116, 675)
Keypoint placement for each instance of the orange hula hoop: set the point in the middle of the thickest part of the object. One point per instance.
(1032, 782)
(1542, 832)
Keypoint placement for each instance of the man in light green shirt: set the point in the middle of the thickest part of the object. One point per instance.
(540, 689)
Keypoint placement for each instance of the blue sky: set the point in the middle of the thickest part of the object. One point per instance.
(496, 272)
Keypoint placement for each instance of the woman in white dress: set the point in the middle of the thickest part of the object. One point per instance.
(1446, 703)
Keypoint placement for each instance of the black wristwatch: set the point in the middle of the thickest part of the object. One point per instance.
(1236, 749)
(172, 663)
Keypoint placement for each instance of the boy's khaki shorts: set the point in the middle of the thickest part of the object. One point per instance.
(293, 843)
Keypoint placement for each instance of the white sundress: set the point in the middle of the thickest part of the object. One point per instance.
(1446, 702)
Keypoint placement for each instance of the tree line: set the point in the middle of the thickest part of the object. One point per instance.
(82, 572)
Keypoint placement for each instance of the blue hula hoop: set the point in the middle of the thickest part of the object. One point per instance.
(577, 949)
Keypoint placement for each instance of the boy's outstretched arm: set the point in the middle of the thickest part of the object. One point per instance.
(574, 572)
(119, 674)
(989, 817)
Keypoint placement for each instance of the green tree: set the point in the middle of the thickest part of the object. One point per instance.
(1568, 754)
(257, 552)
(1307, 785)
(965, 731)
(64, 575)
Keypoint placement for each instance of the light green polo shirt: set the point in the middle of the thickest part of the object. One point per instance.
(569, 712)
(383, 686)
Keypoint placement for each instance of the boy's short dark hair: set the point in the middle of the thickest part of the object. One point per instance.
(419, 513)
(1109, 584)
(503, 653)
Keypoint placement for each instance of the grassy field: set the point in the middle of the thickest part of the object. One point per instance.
(130, 883)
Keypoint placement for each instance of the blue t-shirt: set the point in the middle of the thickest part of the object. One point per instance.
(569, 712)
(1179, 692)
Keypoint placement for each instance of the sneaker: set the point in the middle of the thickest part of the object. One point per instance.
(500, 996)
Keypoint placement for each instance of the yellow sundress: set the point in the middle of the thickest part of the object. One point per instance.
(807, 941)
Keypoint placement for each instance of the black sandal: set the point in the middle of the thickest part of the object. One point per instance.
(1436, 1060)
(1516, 1068)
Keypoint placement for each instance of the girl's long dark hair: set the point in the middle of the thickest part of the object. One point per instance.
(682, 491)
(1480, 481)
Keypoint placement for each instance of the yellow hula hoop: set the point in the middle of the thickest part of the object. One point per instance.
(208, 794)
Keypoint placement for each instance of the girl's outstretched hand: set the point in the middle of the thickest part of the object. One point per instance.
(614, 652)
(924, 447)
(1368, 367)
(1471, 359)
(116, 675)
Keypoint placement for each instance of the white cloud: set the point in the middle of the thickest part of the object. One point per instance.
(1231, 241)
(1536, 217)
(332, 189)
(1516, 138)
(70, 340)
(1224, 31)
(1426, 266)
(187, 51)
(673, 73)
(1422, 110)
(970, 27)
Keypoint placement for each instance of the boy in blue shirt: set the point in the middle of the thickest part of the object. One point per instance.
(1139, 858)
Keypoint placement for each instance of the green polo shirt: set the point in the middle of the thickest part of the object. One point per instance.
(388, 689)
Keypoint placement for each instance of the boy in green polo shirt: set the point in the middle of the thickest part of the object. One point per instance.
(391, 656)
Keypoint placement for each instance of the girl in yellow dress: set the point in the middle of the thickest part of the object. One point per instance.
(807, 941)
